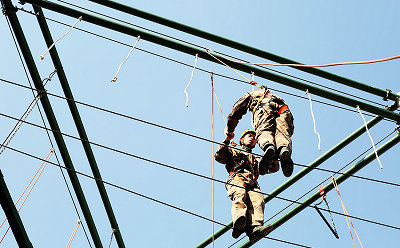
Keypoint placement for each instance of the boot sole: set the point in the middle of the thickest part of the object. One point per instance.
(262, 234)
(265, 161)
(286, 164)
(238, 227)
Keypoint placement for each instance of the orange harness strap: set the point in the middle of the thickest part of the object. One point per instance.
(283, 108)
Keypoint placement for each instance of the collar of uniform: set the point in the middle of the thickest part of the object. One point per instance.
(246, 149)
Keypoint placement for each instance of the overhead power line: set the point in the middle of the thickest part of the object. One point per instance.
(159, 126)
(138, 194)
(224, 76)
(204, 48)
(189, 172)
(44, 123)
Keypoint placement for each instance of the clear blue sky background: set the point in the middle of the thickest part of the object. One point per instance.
(151, 88)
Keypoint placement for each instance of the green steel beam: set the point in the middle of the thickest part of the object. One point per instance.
(79, 124)
(305, 171)
(358, 166)
(12, 215)
(244, 48)
(11, 13)
(203, 54)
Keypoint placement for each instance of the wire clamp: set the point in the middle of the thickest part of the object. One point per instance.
(388, 91)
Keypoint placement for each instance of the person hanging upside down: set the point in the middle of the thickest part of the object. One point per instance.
(242, 187)
(273, 123)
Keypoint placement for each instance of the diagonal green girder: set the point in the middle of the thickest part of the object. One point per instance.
(358, 166)
(244, 48)
(10, 11)
(203, 54)
(12, 216)
(79, 124)
(321, 159)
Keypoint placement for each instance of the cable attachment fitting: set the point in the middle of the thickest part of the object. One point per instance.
(12, 9)
(388, 91)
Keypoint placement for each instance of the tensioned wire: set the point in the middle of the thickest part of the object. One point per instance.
(44, 123)
(324, 181)
(179, 62)
(138, 194)
(172, 206)
(183, 170)
(161, 126)
(202, 47)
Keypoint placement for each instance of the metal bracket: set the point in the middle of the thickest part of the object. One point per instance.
(10, 10)
(387, 94)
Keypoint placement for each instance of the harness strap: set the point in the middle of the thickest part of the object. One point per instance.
(283, 108)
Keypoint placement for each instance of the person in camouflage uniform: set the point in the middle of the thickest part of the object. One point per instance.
(242, 187)
(273, 123)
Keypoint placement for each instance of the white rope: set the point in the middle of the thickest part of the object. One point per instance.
(252, 79)
(42, 56)
(73, 233)
(191, 77)
(313, 118)
(119, 68)
(370, 137)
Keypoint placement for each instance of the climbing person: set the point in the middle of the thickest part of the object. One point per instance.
(273, 123)
(242, 187)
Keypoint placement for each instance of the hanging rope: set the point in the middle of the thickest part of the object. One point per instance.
(323, 65)
(191, 77)
(252, 79)
(251, 82)
(333, 227)
(73, 233)
(370, 137)
(313, 118)
(212, 155)
(119, 68)
(222, 113)
(41, 168)
(347, 215)
(112, 235)
(42, 56)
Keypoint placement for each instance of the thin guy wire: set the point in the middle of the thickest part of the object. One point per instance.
(44, 123)
(156, 125)
(220, 181)
(202, 47)
(224, 76)
(190, 172)
(139, 194)
(311, 190)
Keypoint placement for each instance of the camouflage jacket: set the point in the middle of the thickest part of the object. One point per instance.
(238, 162)
(253, 101)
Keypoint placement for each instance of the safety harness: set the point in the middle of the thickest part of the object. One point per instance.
(239, 161)
(258, 105)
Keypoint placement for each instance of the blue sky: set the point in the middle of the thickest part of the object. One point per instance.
(151, 88)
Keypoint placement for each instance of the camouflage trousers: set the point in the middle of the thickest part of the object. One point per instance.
(273, 128)
(249, 203)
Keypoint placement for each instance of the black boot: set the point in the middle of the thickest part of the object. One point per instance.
(259, 232)
(286, 162)
(238, 226)
(265, 160)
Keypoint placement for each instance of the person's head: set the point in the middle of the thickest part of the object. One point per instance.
(248, 138)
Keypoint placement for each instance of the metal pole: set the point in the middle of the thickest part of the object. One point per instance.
(243, 47)
(12, 215)
(11, 13)
(79, 124)
(358, 166)
(305, 171)
(203, 54)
